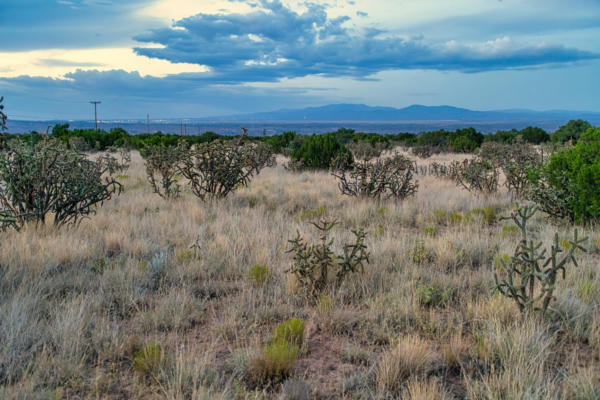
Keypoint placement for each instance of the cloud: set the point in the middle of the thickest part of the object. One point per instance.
(55, 62)
(129, 94)
(274, 42)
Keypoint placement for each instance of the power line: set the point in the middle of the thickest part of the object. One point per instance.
(95, 103)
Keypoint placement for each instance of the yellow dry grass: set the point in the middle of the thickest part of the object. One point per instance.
(76, 304)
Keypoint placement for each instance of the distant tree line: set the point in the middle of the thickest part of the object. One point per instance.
(296, 145)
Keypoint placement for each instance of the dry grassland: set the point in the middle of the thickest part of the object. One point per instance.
(422, 322)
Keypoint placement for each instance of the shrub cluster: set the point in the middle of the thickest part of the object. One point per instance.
(515, 160)
(213, 170)
(476, 176)
(571, 132)
(390, 178)
(40, 179)
(569, 184)
(460, 141)
(318, 152)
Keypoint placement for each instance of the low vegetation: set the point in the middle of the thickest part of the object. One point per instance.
(388, 178)
(46, 179)
(287, 288)
(569, 184)
(314, 264)
(530, 275)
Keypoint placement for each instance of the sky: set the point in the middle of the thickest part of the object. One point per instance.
(201, 58)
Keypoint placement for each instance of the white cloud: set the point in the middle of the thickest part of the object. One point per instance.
(55, 63)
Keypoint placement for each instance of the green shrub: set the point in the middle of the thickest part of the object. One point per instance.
(572, 131)
(463, 144)
(318, 151)
(291, 331)
(569, 185)
(259, 274)
(534, 135)
(148, 361)
(274, 364)
(430, 296)
(420, 255)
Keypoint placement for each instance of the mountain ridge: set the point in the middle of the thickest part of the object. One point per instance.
(415, 112)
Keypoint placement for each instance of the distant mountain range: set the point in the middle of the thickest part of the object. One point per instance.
(360, 117)
(364, 113)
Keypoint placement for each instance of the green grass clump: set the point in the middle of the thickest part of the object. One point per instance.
(587, 290)
(420, 255)
(308, 215)
(148, 361)
(430, 296)
(324, 304)
(183, 256)
(509, 231)
(440, 216)
(274, 365)
(487, 214)
(430, 231)
(500, 261)
(382, 211)
(259, 274)
(456, 218)
(291, 331)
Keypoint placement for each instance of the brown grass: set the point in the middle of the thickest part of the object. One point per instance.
(76, 304)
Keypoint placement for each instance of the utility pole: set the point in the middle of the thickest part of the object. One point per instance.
(95, 103)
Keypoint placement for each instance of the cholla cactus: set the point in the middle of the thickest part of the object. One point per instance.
(515, 160)
(314, 262)
(477, 176)
(163, 166)
(217, 168)
(531, 275)
(45, 178)
(390, 178)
